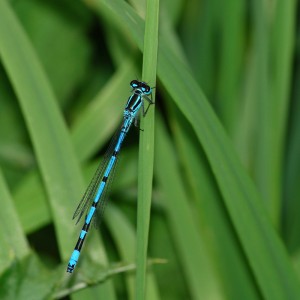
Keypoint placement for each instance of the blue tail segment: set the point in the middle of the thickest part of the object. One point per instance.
(73, 261)
(97, 188)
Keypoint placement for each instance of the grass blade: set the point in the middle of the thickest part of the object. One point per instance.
(146, 149)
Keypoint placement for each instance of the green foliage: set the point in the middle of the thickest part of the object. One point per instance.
(224, 154)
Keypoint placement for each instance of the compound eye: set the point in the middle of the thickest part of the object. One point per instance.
(134, 84)
(146, 89)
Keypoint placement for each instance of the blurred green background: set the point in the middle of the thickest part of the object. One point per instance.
(225, 205)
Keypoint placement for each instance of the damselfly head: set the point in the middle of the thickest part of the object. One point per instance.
(146, 89)
(142, 86)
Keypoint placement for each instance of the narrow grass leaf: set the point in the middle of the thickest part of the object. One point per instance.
(266, 161)
(232, 31)
(282, 64)
(146, 149)
(214, 225)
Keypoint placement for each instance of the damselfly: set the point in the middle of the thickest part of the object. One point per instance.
(95, 193)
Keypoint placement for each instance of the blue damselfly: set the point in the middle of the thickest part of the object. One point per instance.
(95, 193)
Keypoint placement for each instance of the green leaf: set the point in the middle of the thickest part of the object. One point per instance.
(46, 126)
(27, 279)
(146, 150)
(12, 238)
(195, 259)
